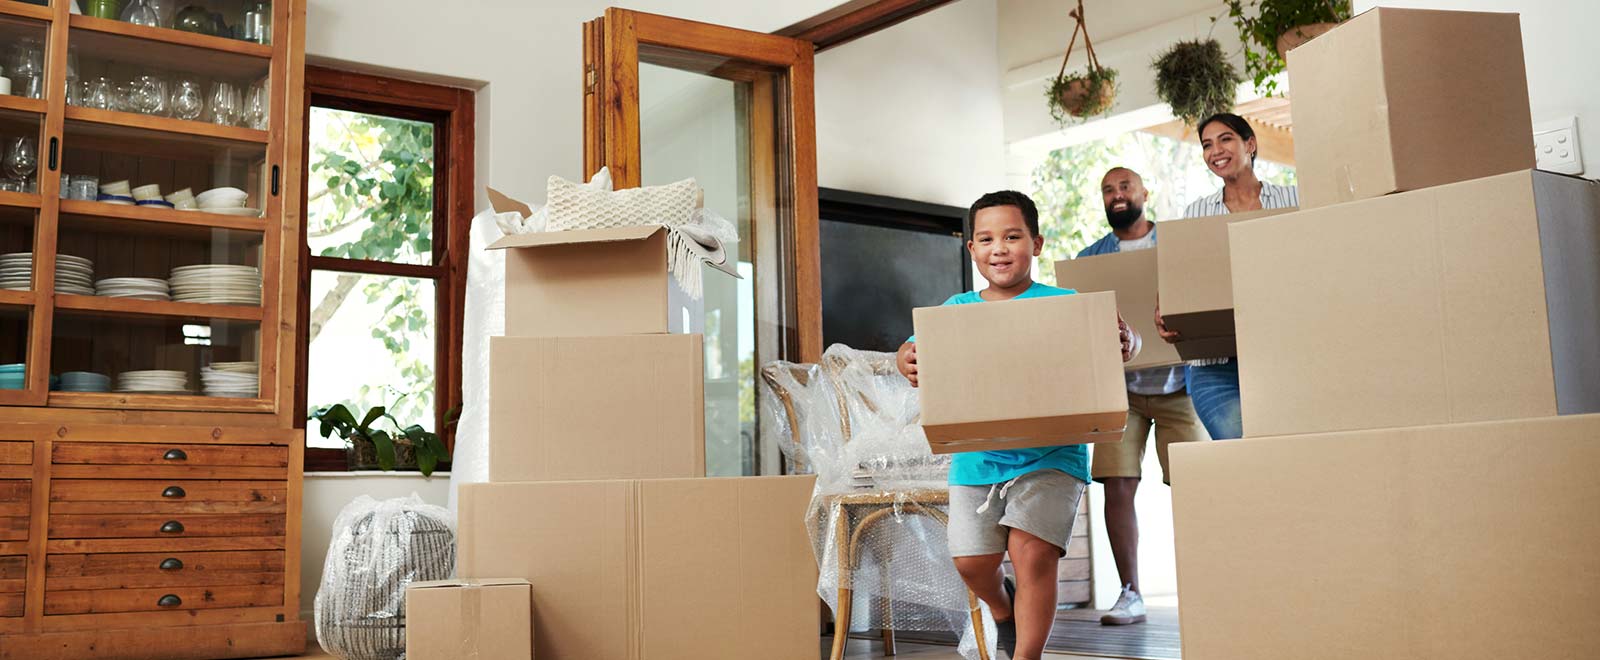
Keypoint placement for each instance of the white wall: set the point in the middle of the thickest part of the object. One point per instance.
(1560, 50)
(914, 111)
(326, 494)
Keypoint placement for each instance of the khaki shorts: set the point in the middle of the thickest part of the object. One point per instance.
(1175, 421)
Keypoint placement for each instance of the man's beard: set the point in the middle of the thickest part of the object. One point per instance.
(1125, 218)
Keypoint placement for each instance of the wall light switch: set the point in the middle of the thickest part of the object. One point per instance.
(1555, 146)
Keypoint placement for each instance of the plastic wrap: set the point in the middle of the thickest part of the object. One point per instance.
(878, 515)
(378, 548)
(484, 317)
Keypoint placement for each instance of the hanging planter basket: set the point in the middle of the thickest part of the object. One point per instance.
(1196, 79)
(1296, 36)
(1081, 94)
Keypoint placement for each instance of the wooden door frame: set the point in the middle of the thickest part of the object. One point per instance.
(856, 19)
(612, 46)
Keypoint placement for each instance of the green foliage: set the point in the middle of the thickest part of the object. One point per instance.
(1261, 22)
(1100, 93)
(427, 446)
(1196, 79)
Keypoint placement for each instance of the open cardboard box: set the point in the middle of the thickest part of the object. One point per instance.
(1196, 283)
(1405, 99)
(1472, 301)
(593, 281)
(1037, 372)
(1132, 276)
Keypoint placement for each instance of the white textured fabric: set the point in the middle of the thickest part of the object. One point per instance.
(484, 317)
(576, 206)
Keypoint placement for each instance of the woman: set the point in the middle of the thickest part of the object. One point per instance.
(1229, 146)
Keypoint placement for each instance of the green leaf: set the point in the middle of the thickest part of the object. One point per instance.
(372, 416)
(351, 167)
(385, 446)
(426, 462)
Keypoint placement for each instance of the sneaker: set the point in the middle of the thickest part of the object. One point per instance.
(1006, 631)
(1129, 609)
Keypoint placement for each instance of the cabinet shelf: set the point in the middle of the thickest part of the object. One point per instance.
(153, 220)
(10, 298)
(26, 10)
(15, 104)
(178, 402)
(164, 48)
(100, 306)
(179, 128)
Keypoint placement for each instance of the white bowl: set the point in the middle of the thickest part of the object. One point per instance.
(118, 188)
(146, 193)
(222, 198)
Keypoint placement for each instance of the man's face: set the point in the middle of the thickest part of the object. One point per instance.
(1124, 196)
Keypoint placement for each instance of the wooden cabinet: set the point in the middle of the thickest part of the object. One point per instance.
(150, 469)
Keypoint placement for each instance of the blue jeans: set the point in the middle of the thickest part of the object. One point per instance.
(1214, 389)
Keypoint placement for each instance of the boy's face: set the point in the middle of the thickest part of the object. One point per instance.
(1002, 247)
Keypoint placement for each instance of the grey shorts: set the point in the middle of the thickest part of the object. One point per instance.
(1042, 503)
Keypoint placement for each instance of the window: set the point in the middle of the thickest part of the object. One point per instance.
(388, 202)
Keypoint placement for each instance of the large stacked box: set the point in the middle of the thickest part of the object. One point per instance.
(596, 492)
(1416, 352)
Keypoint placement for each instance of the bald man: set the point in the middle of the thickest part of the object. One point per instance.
(1156, 397)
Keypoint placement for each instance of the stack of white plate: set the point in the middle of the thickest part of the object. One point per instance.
(141, 288)
(74, 275)
(85, 381)
(153, 382)
(217, 284)
(16, 271)
(237, 380)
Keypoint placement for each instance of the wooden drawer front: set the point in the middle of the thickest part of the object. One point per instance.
(105, 453)
(16, 453)
(150, 570)
(13, 580)
(106, 601)
(16, 503)
(167, 496)
(89, 526)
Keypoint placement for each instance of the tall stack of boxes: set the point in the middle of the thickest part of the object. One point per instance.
(1419, 366)
(597, 495)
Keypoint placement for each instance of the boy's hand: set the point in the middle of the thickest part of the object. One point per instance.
(1130, 339)
(906, 360)
(1161, 327)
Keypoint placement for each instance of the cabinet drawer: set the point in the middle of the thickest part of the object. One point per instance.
(16, 503)
(106, 601)
(88, 526)
(106, 453)
(167, 496)
(149, 570)
(16, 453)
(13, 580)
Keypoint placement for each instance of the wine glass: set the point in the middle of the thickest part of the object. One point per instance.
(255, 108)
(22, 160)
(27, 67)
(224, 104)
(141, 13)
(100, 94)
(188, 102)
(149, 95)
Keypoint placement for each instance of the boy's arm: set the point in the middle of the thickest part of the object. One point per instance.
(906, 360)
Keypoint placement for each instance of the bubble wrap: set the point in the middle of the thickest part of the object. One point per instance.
(378, 548)
(577, 206)
(853, 421)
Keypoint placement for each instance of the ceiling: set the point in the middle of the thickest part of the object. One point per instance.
(1033, 30)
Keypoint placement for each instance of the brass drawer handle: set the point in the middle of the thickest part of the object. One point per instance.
(171, 564)
(169, 600)
(172, 527)
(175, 455)
(174, 492)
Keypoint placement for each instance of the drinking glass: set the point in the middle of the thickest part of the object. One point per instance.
(22, 160)
(85, 187)
(224, 104)
(27, 68)
(139, 12)
(255, 108)
(100, 94)
(188, 102)
(149, 95)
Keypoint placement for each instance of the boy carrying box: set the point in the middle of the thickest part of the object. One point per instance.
(1021, 501)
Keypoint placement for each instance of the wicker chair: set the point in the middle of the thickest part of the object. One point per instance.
(857, 513)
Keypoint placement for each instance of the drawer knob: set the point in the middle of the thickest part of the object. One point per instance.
(171, 564)
(169, 600)
(172, 527)
(175, 455)
(174, 492)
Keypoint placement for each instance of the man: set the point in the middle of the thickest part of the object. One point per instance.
(1156, 398)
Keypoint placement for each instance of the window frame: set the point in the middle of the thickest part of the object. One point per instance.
(451, 112)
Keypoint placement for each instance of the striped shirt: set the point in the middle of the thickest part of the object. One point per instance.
(1273, 196)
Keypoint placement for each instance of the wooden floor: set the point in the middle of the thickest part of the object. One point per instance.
(858, 650)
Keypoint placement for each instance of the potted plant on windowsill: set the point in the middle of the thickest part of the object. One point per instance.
(1269, 29)
(409, 447)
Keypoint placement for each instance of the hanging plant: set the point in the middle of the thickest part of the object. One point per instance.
(1196, 79)
(1271, 28)
(1084, 93)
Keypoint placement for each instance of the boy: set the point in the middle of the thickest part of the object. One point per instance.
(1021, 501)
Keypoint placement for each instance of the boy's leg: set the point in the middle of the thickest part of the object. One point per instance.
(978, 545)
(1040, 510)
(983, 576)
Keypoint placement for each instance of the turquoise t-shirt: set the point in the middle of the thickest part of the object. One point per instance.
(981, 468)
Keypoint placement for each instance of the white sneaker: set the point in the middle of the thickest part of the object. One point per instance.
(1129, 609)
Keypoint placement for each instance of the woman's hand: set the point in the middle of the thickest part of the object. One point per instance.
(906, 360)
(1161, 327)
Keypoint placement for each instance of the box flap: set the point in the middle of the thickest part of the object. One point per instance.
(468, 582)
(503, 204)
(576, 236)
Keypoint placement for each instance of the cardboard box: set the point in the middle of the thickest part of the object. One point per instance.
(1405, 99)
(592, 282)
(1468, 302)
(1132, 276)
(653, 569)
(1037, 372)
(1465, 541)
(487, 619)
(1196, 282)
(624, 407)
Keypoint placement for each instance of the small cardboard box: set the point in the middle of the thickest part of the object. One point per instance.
(623, 407)
(1037, 372)
(1405, 99)
(1132, 276)
(592, 282)
(469, 619)
(1468, 302)
(1196, 283)
(653, 569)
(1323, 547)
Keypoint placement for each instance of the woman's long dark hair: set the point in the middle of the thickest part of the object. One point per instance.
(1240, 128)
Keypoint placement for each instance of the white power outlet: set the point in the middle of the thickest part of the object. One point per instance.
(1555, 146)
